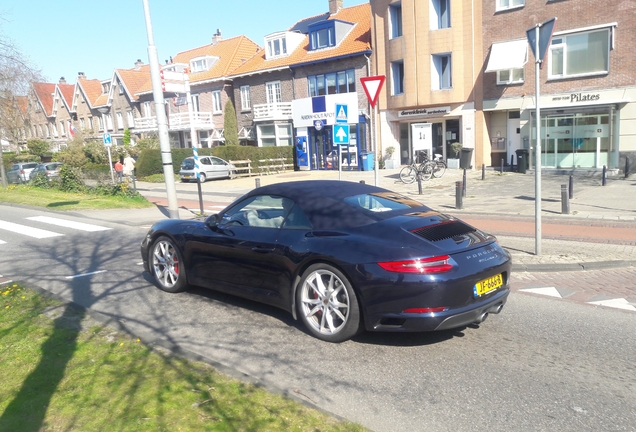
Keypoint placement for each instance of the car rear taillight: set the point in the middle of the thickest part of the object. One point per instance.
(426, 310)
(438, 264)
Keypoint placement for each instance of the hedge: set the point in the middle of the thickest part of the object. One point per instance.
(150, 163)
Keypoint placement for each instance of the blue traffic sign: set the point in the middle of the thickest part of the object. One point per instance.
(107, 139)
(341, 134)
(341, 113)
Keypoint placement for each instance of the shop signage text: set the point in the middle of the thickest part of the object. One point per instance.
(579, 97)
(424, 112)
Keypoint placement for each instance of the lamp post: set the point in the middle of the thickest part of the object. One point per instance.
(107, 142)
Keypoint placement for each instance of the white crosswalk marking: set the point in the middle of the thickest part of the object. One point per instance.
(68, 223)
(27, 230)
(2, 242)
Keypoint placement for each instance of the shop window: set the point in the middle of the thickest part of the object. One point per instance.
(580, 54)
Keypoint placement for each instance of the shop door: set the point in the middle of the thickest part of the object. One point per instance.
(421, 138)
(513, 134)
(323, 153)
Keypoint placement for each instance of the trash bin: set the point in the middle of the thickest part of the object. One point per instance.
(465, 158)
(366, 160)
(523, 157)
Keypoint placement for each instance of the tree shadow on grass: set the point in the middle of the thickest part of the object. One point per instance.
(40, 385)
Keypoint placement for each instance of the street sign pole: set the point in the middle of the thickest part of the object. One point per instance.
(539, 39)
(110, 163)
(372, 86)
(108, 142)
(537, 164)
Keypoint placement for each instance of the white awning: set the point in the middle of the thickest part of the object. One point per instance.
(508, 55)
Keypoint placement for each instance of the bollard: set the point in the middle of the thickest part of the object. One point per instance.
(512, 163)
(483, 171)
(419, 183)
(502, 162)
(464, 184)
(626, 167)
(458, 195)
(258, 182)
(362, 181)
(604, 175)
(565, 200)
(571, 188)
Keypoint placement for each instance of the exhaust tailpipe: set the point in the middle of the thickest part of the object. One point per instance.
(481, 318)
(496, 309)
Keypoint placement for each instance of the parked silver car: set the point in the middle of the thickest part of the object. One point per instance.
(19, 173)
(51, 169)
(210, 167)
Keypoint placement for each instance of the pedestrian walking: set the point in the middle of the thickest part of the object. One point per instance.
(129, 166)
(119, 169)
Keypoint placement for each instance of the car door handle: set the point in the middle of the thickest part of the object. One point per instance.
(260, 249)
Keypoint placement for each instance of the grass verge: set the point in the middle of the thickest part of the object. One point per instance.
(57, 200)
(64, 371)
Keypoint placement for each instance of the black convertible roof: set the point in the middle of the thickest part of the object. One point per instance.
(323, 202)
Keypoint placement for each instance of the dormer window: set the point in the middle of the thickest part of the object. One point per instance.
(202, 64)
(322, 35)
(105, 88)
(277, 47)
(281, 44)
(329, 33)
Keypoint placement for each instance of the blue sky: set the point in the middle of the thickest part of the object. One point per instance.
(64, 37)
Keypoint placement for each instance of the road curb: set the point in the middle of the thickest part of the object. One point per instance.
(584, 266)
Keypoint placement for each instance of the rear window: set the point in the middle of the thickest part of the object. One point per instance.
(29, 165)
(382, 202)
(187, 164)
(14, 167)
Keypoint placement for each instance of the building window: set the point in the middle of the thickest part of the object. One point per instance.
(510, 76)
(397, 77)
(216, 101)
(89, 124)
(440, 14)
(276, 47)
(246, 103)
(332, 83)
(131, 119)
(62, 129)
(147, 109)
(121, 89)
(273, 92)
(509, 4)
(82, 124)
(580, 54)
(195, 102)
(199, 65)
(395, 12)
(120, 121)
(271, 135)
(322, 35)
(441, 76)
(105, 88)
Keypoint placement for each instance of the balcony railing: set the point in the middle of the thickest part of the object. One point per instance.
(273, 111)
(177, 121)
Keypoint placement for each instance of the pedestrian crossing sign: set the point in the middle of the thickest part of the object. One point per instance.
(341, 113)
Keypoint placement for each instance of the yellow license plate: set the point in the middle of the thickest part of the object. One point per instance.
(487, 285)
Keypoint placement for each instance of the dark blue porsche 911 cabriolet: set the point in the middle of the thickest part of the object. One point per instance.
(340, 256)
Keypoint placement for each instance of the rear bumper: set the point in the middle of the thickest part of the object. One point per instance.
(410, 322)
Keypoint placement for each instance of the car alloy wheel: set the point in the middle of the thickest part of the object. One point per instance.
(327, 304)
(166, 265)
(202, 178)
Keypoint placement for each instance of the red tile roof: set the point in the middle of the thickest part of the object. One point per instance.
(44, 93)
(67, 91)
(134, 80)
(358, 41)
(92, 90)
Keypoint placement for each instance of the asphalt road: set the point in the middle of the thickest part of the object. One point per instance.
(543, 364)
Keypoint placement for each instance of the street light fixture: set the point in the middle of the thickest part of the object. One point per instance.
(107, 142)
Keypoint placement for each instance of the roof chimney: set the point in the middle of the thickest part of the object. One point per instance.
(81, 75)
(138, 64)
(216, 37)
(62, 80)
(335, 6)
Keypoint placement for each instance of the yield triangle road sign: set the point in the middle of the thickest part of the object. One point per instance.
(372, 86)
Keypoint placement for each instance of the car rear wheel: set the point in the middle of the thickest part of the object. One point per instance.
(166, 266)
(327, 304)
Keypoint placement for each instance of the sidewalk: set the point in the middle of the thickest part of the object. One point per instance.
(600, 232)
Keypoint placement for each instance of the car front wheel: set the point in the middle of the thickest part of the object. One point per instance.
(327, 304)
(167, 266)
(202, 178)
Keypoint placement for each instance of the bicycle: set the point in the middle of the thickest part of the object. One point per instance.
(423, 170)
(440, 166)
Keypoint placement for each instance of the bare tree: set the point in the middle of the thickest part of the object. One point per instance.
(16, 75)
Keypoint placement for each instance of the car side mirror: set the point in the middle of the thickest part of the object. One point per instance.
(212, 221)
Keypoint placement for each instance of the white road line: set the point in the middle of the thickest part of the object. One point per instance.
(619, 303)
(85, 274)
(548, 291)
(2, 242)
(27, 230)
(68, 223)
